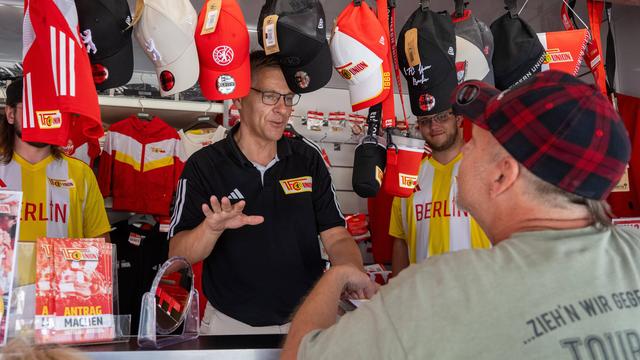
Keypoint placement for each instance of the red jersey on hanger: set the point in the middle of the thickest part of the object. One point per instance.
(140, 165)
(58, 83)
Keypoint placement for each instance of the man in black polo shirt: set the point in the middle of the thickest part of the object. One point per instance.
(259, 242)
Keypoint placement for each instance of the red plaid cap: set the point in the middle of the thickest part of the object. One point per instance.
(561, 129)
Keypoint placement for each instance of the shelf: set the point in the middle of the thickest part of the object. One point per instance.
(176, 113)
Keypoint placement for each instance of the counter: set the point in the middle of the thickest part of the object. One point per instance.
(262, 347)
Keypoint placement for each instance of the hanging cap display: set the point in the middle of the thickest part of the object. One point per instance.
(518, 53)
(426, 55)
(295, 31)
(359, 48)
(106, 33)
(223, 49)
(165, 32)
(474, 49)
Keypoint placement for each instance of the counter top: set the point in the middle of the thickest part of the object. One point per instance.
(206, 346)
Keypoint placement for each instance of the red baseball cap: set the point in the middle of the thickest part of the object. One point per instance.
(224, 54)
(359, 48)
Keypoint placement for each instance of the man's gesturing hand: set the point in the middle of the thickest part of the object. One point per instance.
(222, 215)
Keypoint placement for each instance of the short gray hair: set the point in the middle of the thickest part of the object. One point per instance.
(552, 195)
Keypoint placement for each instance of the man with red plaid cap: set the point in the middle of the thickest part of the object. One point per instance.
(560, 282)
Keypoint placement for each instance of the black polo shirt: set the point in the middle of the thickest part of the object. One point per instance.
(258, 274)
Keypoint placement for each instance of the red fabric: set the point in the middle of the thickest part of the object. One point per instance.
(80, 146)
(146, 186)
(388, 106)
(58, 83)
(197, 283)
(627, 204)
(379, 216)
(595, 9)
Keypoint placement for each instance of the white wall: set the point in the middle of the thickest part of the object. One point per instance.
(331, 100)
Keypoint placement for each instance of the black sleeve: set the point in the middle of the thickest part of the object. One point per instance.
(190, 195)
(325, 202)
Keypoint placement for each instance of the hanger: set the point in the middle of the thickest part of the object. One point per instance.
(202, 122)
(143, 115)
(424, 5)
(460, 5)
(512, 7)
(142, 219)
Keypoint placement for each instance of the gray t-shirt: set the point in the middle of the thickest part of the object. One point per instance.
(571, 294)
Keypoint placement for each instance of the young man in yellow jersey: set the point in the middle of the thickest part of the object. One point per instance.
(428, 222)
(60, 194)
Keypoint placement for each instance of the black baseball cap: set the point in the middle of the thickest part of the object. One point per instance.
(14, 92)
(432, 81)
(304, 54)
(104, 27)
(518, 53)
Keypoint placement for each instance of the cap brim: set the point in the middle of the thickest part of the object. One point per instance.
(240, 76)
(474, 108)
(184, 70)
(312, 76)
(119, 67)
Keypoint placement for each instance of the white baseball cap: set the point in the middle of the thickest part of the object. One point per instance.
(359, 48)
(165, 32)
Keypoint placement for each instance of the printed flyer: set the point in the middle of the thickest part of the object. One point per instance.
(10, 203)
(74, 291)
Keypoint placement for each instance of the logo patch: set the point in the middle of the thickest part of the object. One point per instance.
(379, 175)
(51, 119)
(302, 79)
(62, 183)
(297, 185)
(82, 254)
(225, 84)
(223, 55)
(157, 150)
(426, 102)
(348, 71)
(407, 181)
(556, 56)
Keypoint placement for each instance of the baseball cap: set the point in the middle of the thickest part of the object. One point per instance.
(224, 54)
(426, 55)
(518, 53)
(561, 129)
(165, 32)
(359, 49)
(14, 92)
(105, 29)
(303, 53)
(474, 49)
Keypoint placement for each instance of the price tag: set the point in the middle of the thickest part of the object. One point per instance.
(211, 17)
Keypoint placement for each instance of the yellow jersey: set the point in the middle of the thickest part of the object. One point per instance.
(429, 220)
(60, 198)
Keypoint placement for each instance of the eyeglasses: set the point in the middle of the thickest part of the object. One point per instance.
(439, 118)
(272, 97)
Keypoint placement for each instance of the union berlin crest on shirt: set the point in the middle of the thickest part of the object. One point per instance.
(58, 85)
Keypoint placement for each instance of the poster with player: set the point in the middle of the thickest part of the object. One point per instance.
(10, 204)
(74, 291)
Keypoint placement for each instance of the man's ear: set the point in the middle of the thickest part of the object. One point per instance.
(9, 112)
(237, 103)
(459, 121)
(505, 174)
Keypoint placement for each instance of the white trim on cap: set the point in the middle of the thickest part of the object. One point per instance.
(477, 64)
(348, 52)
